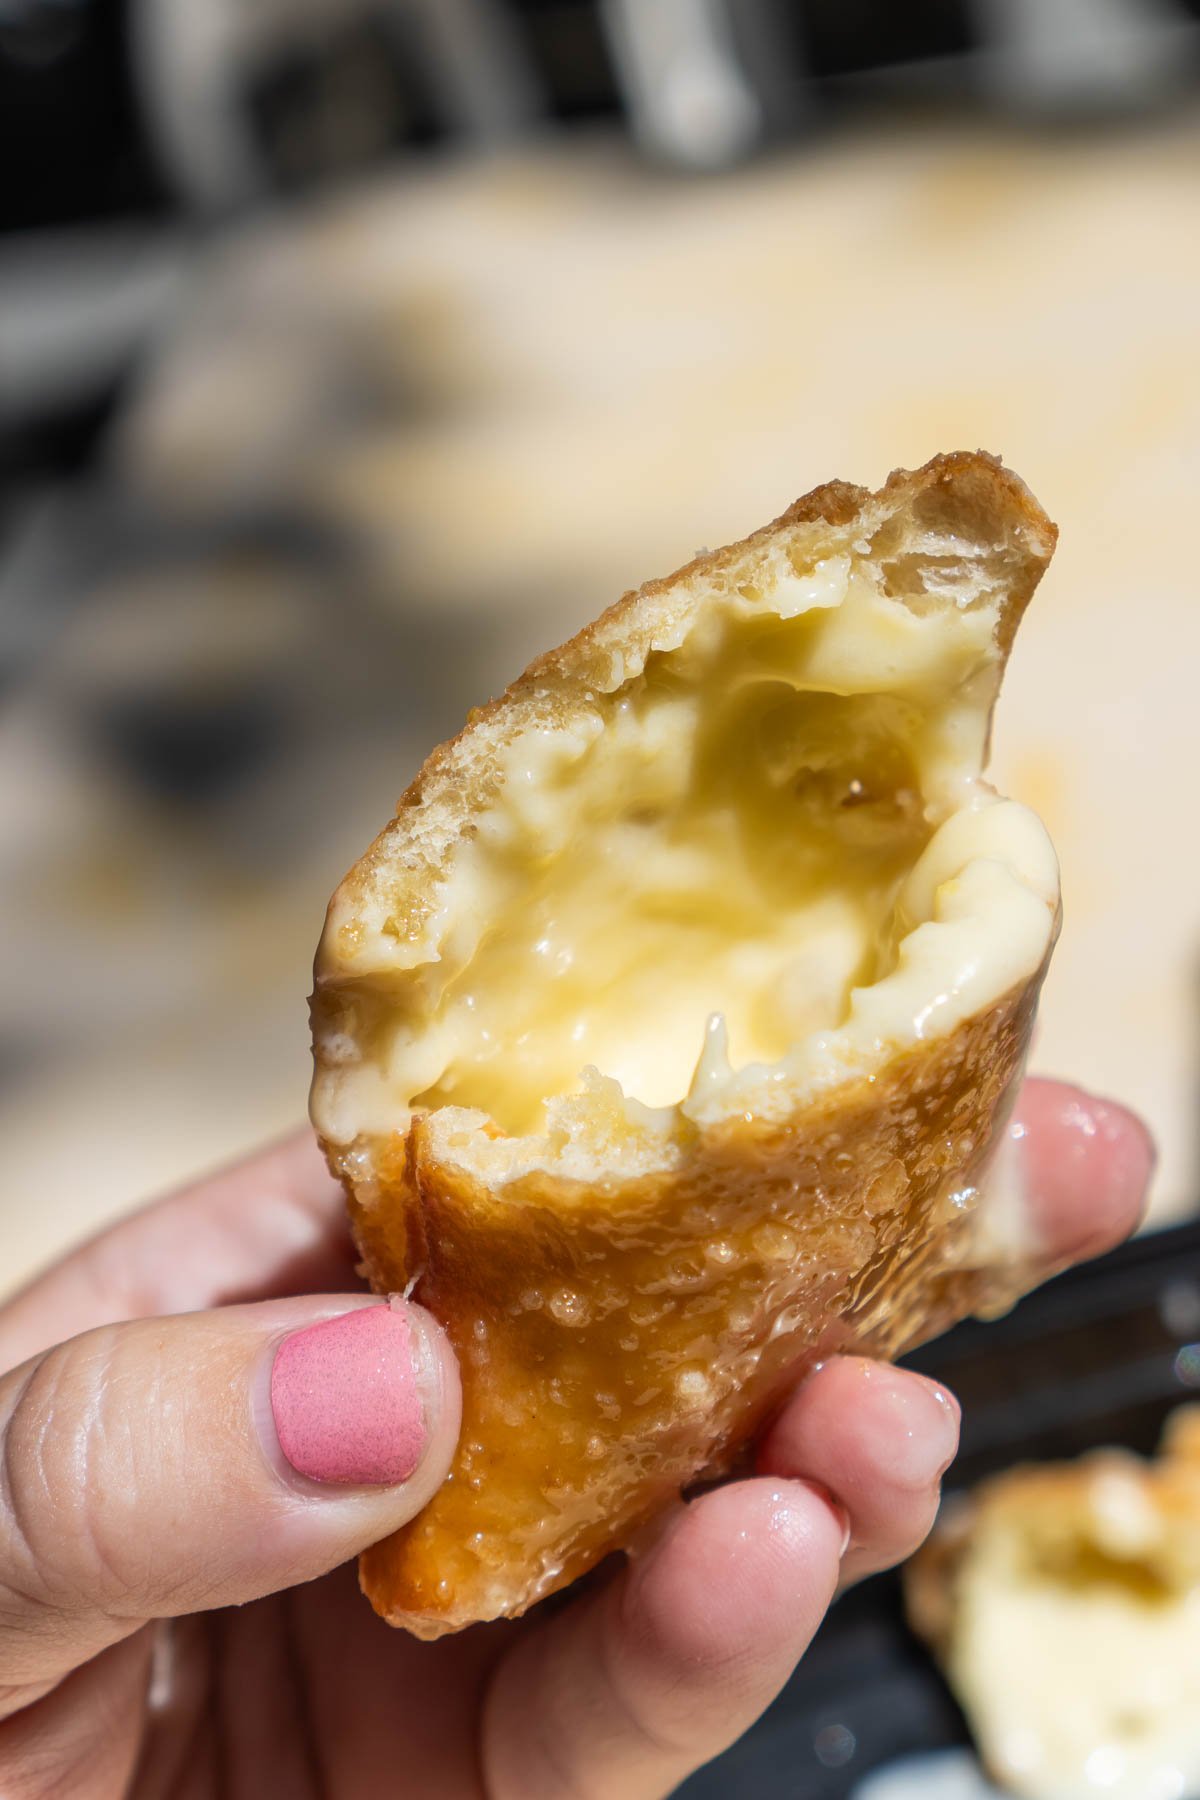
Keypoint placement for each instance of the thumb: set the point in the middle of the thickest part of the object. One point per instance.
(173, 1465)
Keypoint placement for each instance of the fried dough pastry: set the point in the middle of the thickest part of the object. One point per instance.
(1063, 1602)
(662, 1037)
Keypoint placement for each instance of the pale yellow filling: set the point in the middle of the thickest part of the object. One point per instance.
(731, 844)
(1081, 1672)
(757, 824)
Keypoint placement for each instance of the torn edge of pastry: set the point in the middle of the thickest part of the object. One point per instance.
(665, 1032)
(725, 848)
(1063, 1602)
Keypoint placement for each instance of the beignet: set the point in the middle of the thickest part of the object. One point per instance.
(662, 1037)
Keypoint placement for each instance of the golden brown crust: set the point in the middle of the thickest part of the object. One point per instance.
(770, 1248)
(622, 1337)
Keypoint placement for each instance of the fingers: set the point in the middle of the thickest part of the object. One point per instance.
(83, 1738)
(879, 1439)
(273, 1224)
(1084, 1166)
(173, 1465)
(631, 1689)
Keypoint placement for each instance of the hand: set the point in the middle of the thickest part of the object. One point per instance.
(145, 1498)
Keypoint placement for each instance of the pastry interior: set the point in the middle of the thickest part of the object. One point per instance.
(747, 859)
(1065, 1603)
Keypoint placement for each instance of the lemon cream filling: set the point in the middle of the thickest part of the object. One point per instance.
(755, 864)
(1075, 1655)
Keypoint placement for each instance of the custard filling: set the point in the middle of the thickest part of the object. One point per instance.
(1075, 1648)
(767, 848)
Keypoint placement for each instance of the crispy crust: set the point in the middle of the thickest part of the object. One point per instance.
(840, 1229)
(621, 1338)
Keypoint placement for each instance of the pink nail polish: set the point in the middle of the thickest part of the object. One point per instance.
(345, 1399)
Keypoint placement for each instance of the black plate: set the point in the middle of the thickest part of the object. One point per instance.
(1098, 1356)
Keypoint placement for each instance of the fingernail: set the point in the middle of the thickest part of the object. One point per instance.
(1131, 1149)
(926, 1439)
(1109, 1147)
(835, 1506)
(346, 1400)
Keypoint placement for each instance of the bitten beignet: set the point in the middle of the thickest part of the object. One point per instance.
(662, 1037)
(1063, 1601)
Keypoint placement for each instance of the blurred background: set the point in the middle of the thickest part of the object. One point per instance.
(353, 350)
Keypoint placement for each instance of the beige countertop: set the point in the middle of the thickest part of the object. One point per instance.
(505, 392)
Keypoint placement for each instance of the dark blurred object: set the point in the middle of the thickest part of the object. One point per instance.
(241, 102)
(128, 114)
(569, 49)
(705, 82)
(852, 37)
(1100, 1356)
(689, 86)
(1065, 58)
(75, 308)
(120, 106)
(71, 140)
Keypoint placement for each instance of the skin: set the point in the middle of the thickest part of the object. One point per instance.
(178, 1612)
